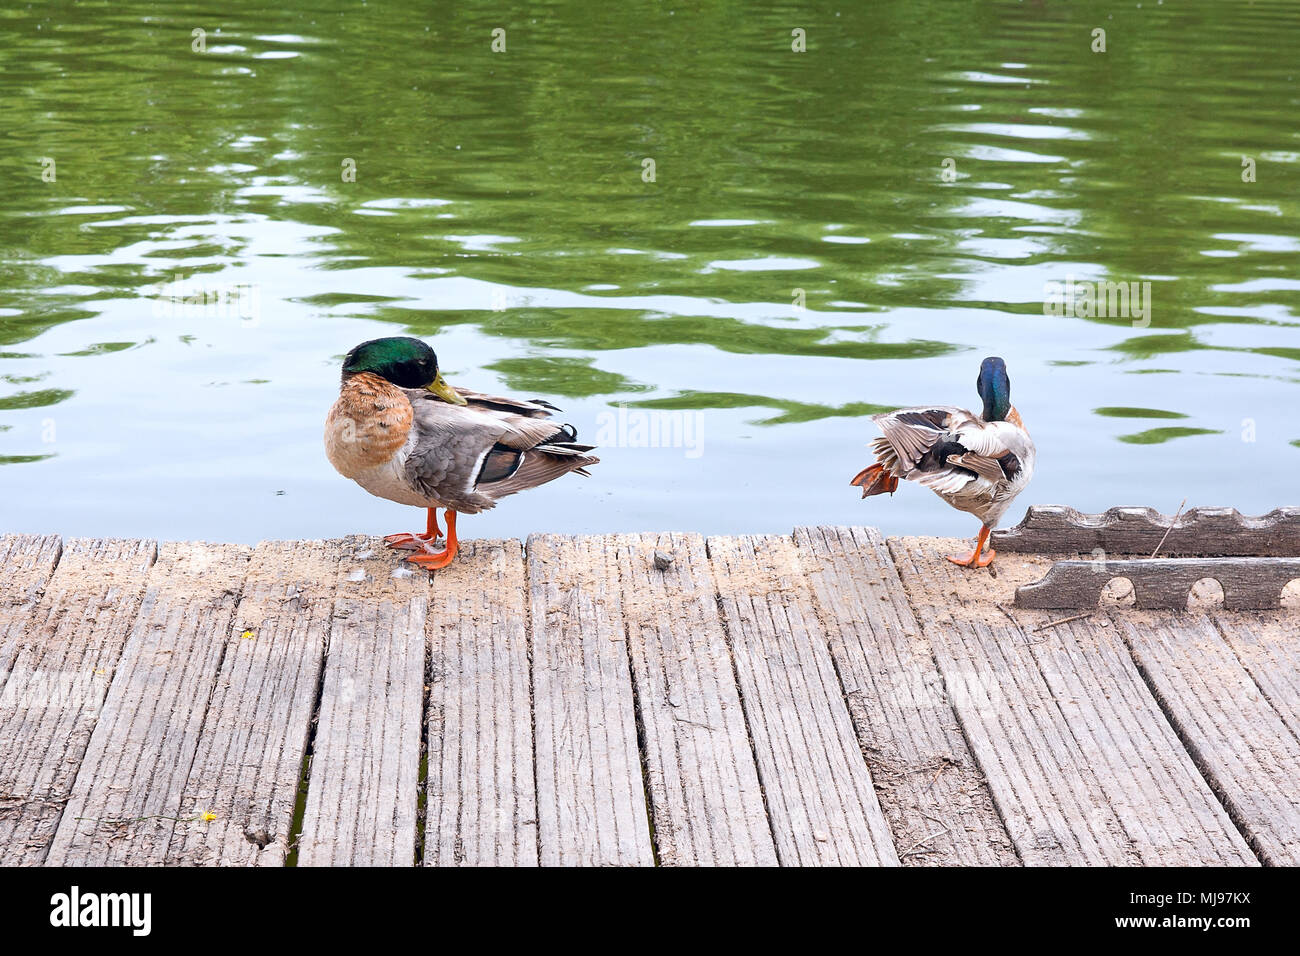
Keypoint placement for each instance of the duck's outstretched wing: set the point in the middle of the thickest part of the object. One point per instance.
(945, 448)
(470, 456)
(915, 437)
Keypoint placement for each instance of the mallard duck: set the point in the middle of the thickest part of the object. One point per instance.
(976, 463)
(402, 433)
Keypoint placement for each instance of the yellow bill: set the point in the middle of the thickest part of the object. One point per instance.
(444, 391)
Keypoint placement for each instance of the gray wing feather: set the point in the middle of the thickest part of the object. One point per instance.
(533, 408)
(982, 465)
(911, 432)
(451, 441)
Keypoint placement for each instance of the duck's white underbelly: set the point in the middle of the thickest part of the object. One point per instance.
(389, 481)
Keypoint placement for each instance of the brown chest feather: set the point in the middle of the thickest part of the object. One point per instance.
(368, 424)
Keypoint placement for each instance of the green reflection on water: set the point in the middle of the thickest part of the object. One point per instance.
(1121, 412)
(1155, 436)
(561, 376)
(37, 399)
(791, 411)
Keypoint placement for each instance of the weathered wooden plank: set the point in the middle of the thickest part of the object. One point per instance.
(363, 788)
(1239, 739)
(481, 796)
(1082, 764)
(705, 797)
(932, 791)
(1057, 529)
(65, 654)
(1162, 582)
(1268, 645)
(246, 769)
(819, 791)
(591, 803)
(26, 563)
(126, 798)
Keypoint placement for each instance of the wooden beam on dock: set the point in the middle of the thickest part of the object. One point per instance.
(1268, 646)
(931, 789)
(591, 802)
(1058, 529)
(363, 782)
(126, 800)
(481, 793)
(1232, 729)
(705, 796)
(26, 563)
(820, 796)
(244, 775)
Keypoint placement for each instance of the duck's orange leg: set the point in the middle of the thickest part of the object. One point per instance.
(416, 542)
(439, 559)
(974, 559)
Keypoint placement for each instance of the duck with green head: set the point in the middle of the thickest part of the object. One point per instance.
(402, 433)
(976, 463)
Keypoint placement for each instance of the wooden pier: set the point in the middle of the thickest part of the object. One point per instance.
(825, 697)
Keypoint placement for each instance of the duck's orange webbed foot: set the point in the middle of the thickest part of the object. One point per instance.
(416, 542)
(975, 559)
(874, 480)
(437, 560)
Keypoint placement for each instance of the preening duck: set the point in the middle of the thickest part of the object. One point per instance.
(976, 463)
(402, 433)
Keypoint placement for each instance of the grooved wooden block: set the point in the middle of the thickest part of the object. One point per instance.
(1163, 582)
(1057, 529)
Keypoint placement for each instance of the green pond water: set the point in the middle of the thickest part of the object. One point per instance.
(827, 233)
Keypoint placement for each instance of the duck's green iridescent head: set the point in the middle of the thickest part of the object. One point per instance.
(402, 360)
(994, 387)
